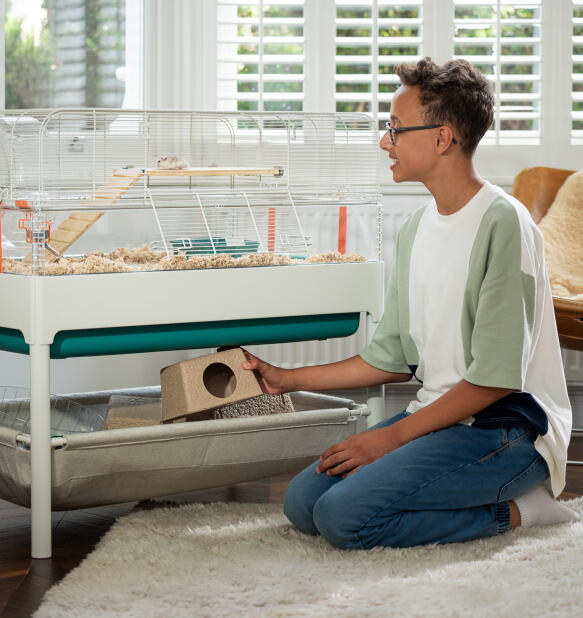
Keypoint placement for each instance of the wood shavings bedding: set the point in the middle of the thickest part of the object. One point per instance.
(144, 259)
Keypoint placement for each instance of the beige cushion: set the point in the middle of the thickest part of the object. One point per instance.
(562, 228)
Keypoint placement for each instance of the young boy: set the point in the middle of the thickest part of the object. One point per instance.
(469, 314)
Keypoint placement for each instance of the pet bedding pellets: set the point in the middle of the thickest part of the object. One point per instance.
(144, 259)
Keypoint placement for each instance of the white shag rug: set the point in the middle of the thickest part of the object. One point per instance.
(229, 559)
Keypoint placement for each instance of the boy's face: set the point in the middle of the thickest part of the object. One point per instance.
(412, 157)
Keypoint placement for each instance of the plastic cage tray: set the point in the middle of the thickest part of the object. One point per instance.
(67, 416)
(120, 465)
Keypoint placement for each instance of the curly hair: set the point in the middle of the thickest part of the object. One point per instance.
(456, 94)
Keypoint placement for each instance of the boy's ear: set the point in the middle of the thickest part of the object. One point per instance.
(445, 138)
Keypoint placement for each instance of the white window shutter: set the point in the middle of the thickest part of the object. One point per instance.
(503, 40)
(372, 37)
(577, 73)
(260, 55)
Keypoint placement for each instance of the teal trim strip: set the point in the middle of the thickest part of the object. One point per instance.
(156, 338)
(12, 340)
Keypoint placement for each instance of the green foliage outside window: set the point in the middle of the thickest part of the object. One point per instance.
(31, 64)
(104, 37)
(27, 65)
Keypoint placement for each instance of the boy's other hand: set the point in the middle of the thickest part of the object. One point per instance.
(346, 457)
(271, 379)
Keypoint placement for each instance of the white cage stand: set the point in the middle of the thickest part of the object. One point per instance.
(40, 307)
(95, 174)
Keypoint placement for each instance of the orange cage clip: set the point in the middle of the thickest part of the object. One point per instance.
(35, 236)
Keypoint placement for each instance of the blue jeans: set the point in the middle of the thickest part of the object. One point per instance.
(450, 485)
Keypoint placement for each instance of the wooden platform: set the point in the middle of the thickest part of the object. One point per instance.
(217, 171)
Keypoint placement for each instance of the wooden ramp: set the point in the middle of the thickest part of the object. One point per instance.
(79, 222)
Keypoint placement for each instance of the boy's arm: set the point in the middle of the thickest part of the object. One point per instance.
(353, 372)
(462, 400)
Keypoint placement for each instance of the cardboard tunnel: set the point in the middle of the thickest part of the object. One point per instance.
(199, 385)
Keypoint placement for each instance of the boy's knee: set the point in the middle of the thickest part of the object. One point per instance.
(342, 528)
(333, 523)
(297, 509)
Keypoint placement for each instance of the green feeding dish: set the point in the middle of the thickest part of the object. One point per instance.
(204, 246)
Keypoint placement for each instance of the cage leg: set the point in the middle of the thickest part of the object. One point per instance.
(375, 395)
(40, 451)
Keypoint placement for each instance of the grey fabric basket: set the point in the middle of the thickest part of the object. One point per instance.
(120, 465)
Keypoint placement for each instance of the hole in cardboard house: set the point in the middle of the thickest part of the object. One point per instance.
(219, 380)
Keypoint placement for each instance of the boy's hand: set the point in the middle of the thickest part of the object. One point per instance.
(348, 456)
(271, 379)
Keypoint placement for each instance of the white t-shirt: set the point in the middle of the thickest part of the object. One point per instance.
(469, 298)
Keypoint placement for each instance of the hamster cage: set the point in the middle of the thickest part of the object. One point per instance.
(134, 231)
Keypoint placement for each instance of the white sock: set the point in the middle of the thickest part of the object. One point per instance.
(538, 508)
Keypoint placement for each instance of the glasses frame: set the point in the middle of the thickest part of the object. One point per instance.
(394, 132)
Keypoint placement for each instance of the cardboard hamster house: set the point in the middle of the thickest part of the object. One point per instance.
(199, 385)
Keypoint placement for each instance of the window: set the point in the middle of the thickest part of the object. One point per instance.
(72, 53)
(503, 40)
(260, 55)
(577, 72)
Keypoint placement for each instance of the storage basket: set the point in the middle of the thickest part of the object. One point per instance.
(120, 465)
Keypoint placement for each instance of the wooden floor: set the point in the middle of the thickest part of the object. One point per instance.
(75, 533)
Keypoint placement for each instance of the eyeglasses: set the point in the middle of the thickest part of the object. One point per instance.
(393, 133)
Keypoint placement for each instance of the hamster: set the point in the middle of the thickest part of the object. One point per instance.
(172, 163)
